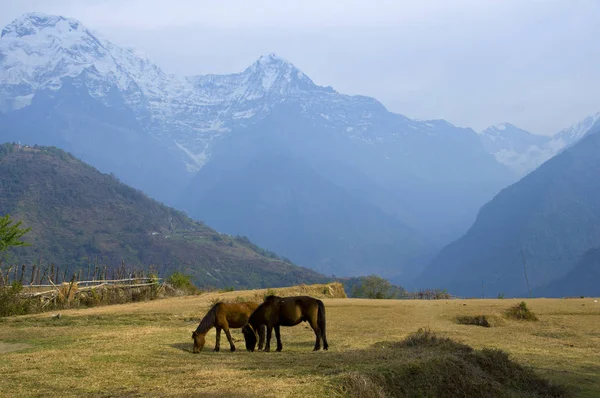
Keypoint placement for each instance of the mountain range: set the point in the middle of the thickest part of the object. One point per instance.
(64, 85)
(335, 182)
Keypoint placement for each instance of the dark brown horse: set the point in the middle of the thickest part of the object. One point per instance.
(286, 311)
(224, 316)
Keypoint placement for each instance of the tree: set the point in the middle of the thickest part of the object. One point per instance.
(11, 233)
(374, 287)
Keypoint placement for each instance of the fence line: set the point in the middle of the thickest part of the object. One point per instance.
(36, 274)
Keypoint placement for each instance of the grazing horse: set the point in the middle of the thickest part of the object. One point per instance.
(286, 311)
(224, 316)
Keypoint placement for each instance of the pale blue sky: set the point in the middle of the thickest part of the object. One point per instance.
(472, 62)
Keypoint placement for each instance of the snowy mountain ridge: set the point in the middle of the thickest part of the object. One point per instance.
(38, 52)
(523, 151)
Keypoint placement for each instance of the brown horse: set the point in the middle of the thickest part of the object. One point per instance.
(286, 311)
(223, 316)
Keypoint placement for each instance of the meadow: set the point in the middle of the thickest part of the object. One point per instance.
(144, 349)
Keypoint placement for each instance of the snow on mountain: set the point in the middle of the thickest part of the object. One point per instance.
(569, 136)
(516, 148)
(38, 52)
(523, 151)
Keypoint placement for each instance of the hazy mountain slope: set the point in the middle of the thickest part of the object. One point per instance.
(77, 213)
(553, 214)
(582, 280)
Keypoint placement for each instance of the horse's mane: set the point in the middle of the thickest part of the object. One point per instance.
(209, 320)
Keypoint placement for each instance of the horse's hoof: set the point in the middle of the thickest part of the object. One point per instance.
(232, 349)
(279, 349)
(216, 350)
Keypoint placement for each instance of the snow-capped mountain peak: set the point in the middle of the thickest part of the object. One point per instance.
(33, 22)
(577, 131)
(523, 152)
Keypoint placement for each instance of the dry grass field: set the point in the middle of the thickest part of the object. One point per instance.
(144, 349)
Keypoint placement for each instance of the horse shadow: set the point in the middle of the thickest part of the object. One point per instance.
(185, 347)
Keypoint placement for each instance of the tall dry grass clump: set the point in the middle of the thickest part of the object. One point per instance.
(427, 365)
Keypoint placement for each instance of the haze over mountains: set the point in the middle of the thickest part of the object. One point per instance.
(334, 182)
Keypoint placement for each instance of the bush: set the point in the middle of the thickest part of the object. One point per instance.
(478, 320)
(432, 294)
(182, 282)
(373, 287)
(10, 301)
(520, 312)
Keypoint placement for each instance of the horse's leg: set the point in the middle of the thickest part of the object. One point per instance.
(278, 336)
(218, 343)
(231, 345)
(261, 337)
(269, 331)
(315, 327)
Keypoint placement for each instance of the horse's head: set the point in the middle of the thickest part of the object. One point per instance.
(250, 337)
(198, 341)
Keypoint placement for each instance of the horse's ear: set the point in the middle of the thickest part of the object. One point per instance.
(194, 334)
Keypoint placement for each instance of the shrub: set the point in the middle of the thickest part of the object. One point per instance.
(10, 301)
(373, 287)
(485, 321)
(520, 312)
(182, 282)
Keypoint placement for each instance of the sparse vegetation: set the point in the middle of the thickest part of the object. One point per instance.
(16, 299)
(520, 312)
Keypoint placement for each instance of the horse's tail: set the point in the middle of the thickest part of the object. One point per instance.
(209, 320)
(321, 322)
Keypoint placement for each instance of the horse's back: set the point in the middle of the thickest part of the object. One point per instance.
(237, 314)
(295, 309)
